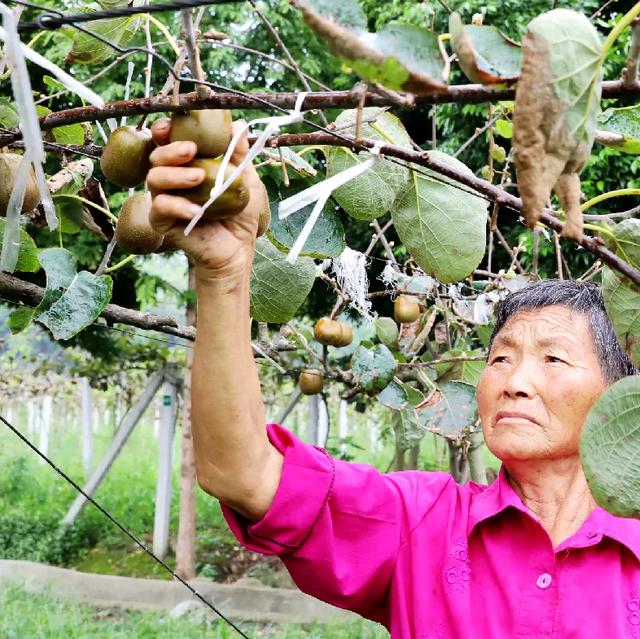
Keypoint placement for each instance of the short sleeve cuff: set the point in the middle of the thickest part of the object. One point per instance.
(304, 489)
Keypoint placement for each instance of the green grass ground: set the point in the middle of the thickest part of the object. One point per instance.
(46, 617)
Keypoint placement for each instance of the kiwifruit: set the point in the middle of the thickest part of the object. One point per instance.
(210, 129)
(332, 332)
(125, 158)
(327, 331)
(310, 381)
(406, 309)
(265, 215)
(230, 203)
(9, 163)
(134, 234)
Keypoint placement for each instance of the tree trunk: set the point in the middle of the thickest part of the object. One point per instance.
(458, 464)
(476, 462)
(186, 545)
(399, 462)
(414, 455)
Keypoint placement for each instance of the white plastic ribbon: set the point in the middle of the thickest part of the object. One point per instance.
(274, 123)
(320, 194)
(351, 273)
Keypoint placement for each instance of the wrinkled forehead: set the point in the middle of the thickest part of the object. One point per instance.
(550, 324)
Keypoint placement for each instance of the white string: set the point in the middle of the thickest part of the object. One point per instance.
(320, 194)
(274, 123)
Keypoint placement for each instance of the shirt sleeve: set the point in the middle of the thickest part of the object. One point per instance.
(338, 526)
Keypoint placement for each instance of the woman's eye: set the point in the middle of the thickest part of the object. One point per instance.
(554, 360)
(499, 359)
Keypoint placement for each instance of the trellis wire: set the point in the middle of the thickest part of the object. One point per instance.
(54, 19)
(126, 531)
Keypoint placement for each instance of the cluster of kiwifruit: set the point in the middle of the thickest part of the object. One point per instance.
(333, 332)
(125, 162)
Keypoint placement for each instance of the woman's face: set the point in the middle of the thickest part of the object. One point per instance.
(541, 379)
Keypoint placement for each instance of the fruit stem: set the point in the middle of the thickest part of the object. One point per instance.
(120, 264)
(194, 52)
(108, 213)
(143, 119)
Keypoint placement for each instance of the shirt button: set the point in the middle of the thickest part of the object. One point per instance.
(544, 580)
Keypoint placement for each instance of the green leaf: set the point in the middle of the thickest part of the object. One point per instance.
(610, 448)
(400, 56)
(626, 122)
(625, 241)
(504, 128)
(327, 237)
(405, 48)
(464, 371)
(86, 49)
(79, 306)
(451, 412)
(374, 367)
(393, 396)
(20, 319)
(387, 331)
(9, 117)
(53, 83)
(69, 134)
(27, 253)
(622, 301)
(485, 54)
(278, 288)
(442, 226)
(371, 194)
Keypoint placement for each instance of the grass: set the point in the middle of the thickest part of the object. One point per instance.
(45, 617)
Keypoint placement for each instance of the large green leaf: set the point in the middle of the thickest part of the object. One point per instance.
(373, 367)
(398, 395)
(27, 253)
(451, 411)
(327, 237)
(79, 306)
(86, 49)
(405, 47)
(387, 332)
(610, 448)
(9, 117)
(278, 288)
(60, 268)
(442, 226)
(371, 194)
(625, 122)
(622, 301)
(484, 53)
(400, 56)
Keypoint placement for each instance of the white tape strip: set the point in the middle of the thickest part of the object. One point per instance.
(274, 124)
(320, 193)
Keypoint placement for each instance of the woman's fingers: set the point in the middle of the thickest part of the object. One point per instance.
(173, 154)
(166, 210)
(161, 130)
(165, 178)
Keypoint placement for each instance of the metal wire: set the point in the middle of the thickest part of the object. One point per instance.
(126, 531)
(54, 19)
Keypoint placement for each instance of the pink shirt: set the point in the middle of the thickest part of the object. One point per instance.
(431, 559)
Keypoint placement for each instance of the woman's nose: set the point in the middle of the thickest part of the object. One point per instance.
(520, 381)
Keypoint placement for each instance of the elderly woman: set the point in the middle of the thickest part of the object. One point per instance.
(532, 555)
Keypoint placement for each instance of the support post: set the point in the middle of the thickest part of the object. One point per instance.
(323, 422)
(128, 424)
(165, 463)
(313, 404)
(45, 425)
(87, 426)
(343, 426)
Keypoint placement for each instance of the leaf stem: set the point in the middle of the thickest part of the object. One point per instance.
(108, 213)
(165, 32)
(606, 196)
(120, 264)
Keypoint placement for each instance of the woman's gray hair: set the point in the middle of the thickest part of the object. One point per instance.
(583, 297)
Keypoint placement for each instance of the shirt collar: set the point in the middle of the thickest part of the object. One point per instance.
(500, 495)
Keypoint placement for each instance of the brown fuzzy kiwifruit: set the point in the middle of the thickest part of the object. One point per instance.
(230, 203)
(346, 335)
(210, 129)
(9, 163)
(333, 332)
(125, 158)
(311, 381)
(134, 234)
(406, 309)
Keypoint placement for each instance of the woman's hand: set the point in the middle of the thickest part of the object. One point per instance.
(217, 248)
